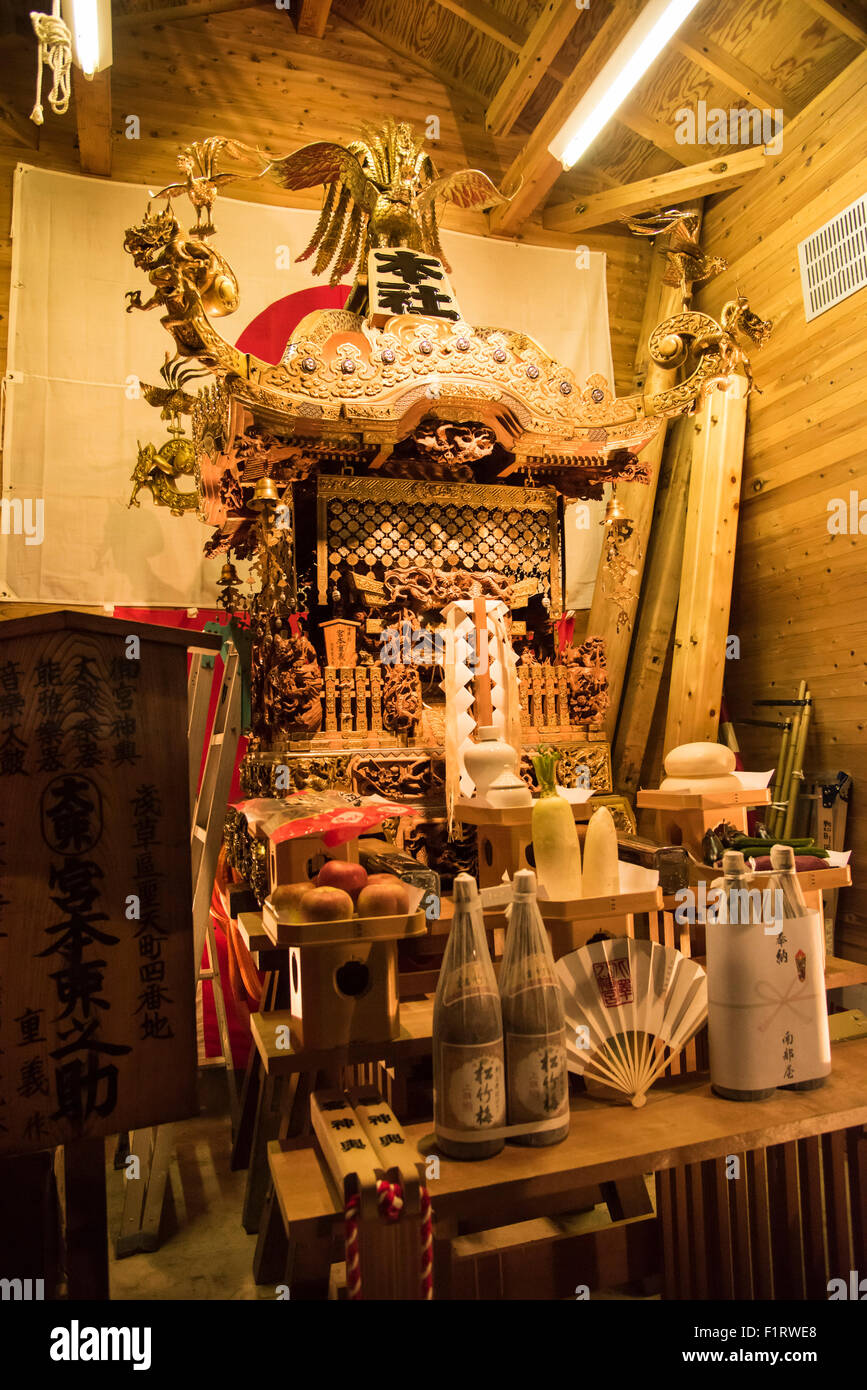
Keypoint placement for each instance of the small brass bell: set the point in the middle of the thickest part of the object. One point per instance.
(228, 574)
(264, 494)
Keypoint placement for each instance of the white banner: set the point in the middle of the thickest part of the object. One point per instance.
(73, 421)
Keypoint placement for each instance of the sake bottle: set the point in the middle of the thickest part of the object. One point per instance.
(793, 906)
(534, 1028)
(469, 1081)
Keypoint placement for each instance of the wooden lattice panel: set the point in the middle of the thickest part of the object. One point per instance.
(371, 526)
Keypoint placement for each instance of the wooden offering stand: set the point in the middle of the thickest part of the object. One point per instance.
(504, 837)
(683, 818)
(343, 984)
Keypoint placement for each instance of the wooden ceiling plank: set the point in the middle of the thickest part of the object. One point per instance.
(845, 15)
(16, 128)
(407, 54)
(167, 14)
(535, 170)
(729, 70)
(488, 21)
(93, 118)
(714, 176)
(546, 38)
(313, 17)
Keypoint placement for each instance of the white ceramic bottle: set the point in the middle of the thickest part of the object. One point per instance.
(487, 759)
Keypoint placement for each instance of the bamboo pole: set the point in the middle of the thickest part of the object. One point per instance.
(656, 611)
(777, 792)
(708, 566)
(662, 302)
(786, 778)
(797, 776)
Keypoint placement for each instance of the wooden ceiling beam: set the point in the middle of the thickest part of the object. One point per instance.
(93, 118)
(535, 170)
(636, 119)
(729, 70)
(313, 17)
(167, 14)
(488, 21)
(714, 176)
(546, 38)
(16, 128)
(845, 15)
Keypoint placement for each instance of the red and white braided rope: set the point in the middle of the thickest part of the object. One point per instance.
(390, 1202)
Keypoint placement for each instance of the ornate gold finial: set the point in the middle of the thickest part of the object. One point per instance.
(202, 181)
(382, 191)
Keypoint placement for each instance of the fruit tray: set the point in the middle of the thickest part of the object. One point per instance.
(285, 933)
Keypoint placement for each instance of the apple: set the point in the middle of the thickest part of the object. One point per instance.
(286, 900)
(339, 873)
(326, 905)
(383, 899)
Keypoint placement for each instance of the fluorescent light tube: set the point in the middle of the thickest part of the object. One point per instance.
(90, 24)
(624, 69)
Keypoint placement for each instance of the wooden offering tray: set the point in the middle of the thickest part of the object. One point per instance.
(396, 928)
(682, 818)
(618, 905)
(703, 801)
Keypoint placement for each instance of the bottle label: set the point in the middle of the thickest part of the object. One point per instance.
(470, 981)
(530, 972)
(471, 1094)
(538, 1079)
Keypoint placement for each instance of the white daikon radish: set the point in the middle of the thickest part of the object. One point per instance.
(556, 847)
(601, 869)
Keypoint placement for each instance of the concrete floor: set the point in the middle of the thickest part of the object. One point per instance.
(206, 1253)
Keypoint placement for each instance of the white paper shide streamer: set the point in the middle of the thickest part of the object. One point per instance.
(457, 685)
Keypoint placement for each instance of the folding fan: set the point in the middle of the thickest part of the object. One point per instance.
(630, 1007)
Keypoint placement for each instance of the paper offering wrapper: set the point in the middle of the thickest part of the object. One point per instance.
(767, 1010)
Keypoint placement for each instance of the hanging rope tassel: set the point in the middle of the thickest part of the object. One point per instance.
(389, 1196)
(55, 52)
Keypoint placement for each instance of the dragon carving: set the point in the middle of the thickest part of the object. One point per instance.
(737, 321)
(189, 278)
(158, 468)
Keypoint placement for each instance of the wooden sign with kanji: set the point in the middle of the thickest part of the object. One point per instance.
(97, 985)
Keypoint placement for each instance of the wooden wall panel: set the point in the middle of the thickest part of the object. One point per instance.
(800, 593)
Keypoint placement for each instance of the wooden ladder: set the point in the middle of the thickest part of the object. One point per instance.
(153, 1148)
(207, 833)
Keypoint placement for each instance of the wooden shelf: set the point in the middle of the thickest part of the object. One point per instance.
(682, 1122)
(413, 1040)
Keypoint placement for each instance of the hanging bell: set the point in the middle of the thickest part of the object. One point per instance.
(228, 574)
(614, 511)
(264, 494)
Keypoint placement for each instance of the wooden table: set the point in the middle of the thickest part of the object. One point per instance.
(801, 1190)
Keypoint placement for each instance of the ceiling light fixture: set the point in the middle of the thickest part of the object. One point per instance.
(624, 69)
(90, 23)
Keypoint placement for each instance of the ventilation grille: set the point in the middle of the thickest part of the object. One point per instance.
(834, 260)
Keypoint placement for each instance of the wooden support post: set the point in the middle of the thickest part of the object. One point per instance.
(657, 611)
(86, 1228)
(638, 499)
(708, 565)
